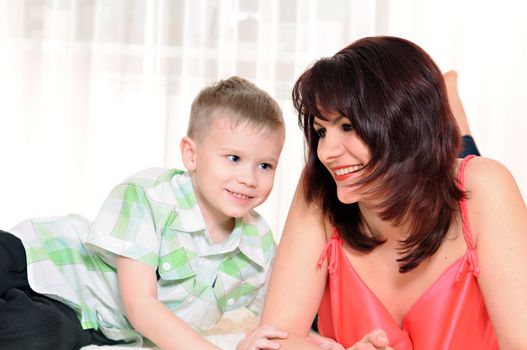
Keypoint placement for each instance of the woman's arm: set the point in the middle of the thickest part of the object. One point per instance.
(138, 288)
(296, 285)
(498, 218)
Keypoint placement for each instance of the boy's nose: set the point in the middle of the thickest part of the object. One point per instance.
(247, 177)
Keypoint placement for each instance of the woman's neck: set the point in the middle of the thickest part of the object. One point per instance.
(382, 229)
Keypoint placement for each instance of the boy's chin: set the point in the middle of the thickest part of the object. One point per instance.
(239, 211)
(236, 214)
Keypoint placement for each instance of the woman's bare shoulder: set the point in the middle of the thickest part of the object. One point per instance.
(487, 175)
(493, 197)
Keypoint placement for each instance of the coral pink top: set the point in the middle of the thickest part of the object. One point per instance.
(451, 314)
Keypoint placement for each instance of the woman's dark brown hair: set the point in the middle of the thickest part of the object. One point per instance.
(394, 95)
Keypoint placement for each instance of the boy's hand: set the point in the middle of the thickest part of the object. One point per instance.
(260, 338)
(375, 340)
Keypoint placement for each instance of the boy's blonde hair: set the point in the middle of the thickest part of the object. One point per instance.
(244, 101)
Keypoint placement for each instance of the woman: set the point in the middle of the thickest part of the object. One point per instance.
(392, 239)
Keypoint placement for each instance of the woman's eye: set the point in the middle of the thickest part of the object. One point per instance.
(321, 132)
(265, 166)
(233, 158)
(347, 127)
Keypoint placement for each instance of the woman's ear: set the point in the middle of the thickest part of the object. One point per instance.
(188, 153)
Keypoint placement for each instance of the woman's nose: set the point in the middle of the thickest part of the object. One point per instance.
(329, 148)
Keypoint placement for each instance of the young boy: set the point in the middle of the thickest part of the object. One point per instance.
(169, 252)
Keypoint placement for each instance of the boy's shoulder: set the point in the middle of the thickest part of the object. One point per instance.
(164, 186)
(151, 177)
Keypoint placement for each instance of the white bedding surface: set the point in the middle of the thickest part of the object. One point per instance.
(226, 334)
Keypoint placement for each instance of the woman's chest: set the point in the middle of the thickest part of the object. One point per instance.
(378, 272)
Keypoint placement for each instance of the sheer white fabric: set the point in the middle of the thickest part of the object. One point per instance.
(94, 90)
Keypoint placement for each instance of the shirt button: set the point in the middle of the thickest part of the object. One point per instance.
(166, 266)
(230, 301)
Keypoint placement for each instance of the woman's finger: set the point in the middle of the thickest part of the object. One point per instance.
(377, 338)
(264, 343)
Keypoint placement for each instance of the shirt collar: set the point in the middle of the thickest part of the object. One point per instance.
(248, 238)
(247, 234)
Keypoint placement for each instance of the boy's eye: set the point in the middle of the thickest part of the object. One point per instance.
(265, 166)
(233, 158)
(321, 132)
(347, 127)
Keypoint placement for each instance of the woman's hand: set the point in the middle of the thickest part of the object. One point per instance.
(324, 342)
(261, 338)
(375, 340)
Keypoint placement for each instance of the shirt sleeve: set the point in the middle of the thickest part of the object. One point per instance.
(125, 226)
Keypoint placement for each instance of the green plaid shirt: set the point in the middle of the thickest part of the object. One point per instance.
(152, 217)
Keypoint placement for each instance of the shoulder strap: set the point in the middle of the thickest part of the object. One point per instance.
(467, 232)
(330, 252)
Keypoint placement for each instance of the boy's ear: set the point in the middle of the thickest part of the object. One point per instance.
(188, 153)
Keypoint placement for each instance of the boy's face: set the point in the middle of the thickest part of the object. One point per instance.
(233, 168)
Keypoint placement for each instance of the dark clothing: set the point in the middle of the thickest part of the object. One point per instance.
(32, 321)
(469, 147)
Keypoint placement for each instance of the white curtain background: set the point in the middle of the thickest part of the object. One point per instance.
(92, 91)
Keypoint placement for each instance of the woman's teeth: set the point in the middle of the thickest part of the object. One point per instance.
(350, 169)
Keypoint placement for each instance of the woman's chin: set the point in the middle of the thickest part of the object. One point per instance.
(348, 197)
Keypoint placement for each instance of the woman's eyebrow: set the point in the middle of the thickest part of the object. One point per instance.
(334, 121)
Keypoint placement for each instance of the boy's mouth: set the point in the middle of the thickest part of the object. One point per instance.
(238, 195)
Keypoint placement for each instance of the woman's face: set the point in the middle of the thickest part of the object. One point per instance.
(343, 153)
